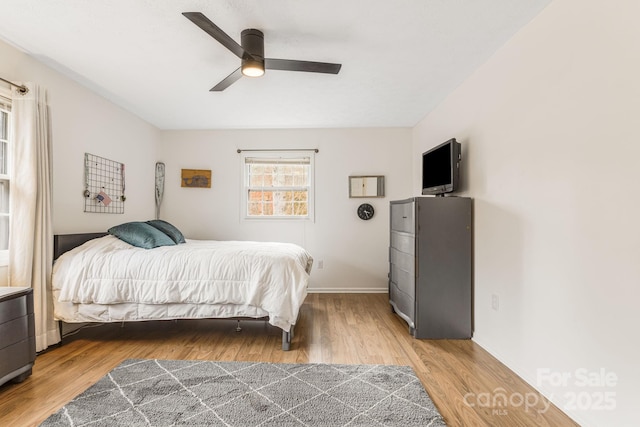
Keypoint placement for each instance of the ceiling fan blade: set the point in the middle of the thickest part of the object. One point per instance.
(214, 31)
(227, 81)
(309, 66)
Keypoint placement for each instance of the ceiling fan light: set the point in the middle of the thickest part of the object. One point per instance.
(252, 68)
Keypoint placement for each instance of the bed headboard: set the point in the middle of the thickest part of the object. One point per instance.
(65, 242)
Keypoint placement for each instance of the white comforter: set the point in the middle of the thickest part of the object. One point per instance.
(272, 277)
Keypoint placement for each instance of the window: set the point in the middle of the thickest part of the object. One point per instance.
(5, 164)
(277, 185)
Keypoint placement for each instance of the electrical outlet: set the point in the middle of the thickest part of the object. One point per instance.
(495, 302)
(320, 264)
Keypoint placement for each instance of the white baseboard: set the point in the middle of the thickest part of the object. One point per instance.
(348, 290)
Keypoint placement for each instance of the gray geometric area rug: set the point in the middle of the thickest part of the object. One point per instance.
(251, 394)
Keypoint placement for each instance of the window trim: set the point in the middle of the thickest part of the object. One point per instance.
(6, 95)
(275, 154)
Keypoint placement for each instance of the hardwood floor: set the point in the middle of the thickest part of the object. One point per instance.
(460, 376)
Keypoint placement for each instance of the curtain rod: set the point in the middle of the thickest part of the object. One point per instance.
(21, 88)
(283, 149)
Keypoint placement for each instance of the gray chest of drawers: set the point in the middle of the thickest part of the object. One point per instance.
(17, 334)
(430, 256)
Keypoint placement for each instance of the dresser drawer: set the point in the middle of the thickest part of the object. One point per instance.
(402, 261)
(402, 217)
(403, 303)
(404, 242)
(405, 281)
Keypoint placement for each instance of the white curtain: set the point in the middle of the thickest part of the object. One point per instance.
(31, 230)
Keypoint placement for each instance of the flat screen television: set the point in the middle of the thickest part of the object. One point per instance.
(441, 168)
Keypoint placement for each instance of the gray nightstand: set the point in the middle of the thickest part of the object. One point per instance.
(17, 334)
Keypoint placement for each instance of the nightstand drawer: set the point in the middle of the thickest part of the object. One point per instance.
(14, 331)
(14, 308)
(17, 333)
(16, 356)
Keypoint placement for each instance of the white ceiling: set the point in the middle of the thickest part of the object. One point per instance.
(399, 58)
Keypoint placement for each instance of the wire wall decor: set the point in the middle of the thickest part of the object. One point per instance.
(103, 185)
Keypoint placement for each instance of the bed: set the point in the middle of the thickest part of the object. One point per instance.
(97, 277)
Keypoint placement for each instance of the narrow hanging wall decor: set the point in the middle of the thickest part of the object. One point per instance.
(103, 185)
(159, 186)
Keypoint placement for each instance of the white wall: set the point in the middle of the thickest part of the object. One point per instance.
(354, 252)
(549, 131)
(85, 122)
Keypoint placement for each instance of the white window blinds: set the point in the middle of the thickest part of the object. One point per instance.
(278, 185)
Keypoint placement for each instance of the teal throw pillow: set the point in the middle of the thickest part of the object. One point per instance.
(141, 235)
(168, 229)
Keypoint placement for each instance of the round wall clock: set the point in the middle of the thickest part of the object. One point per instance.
(365, 211)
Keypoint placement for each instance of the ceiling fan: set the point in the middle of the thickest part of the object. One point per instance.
(251, 52)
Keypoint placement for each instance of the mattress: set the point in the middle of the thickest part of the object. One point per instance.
(108, 280)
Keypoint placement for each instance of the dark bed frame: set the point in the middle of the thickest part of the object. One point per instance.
(65, 242)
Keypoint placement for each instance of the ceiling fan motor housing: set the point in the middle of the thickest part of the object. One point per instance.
(252, 41)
